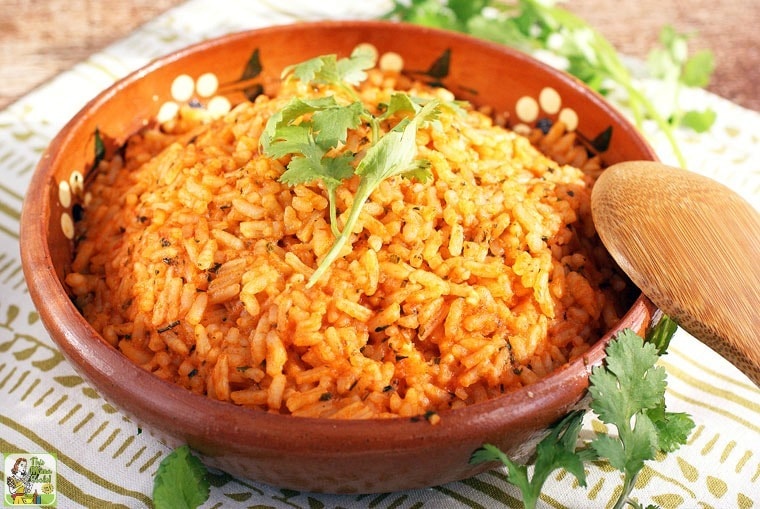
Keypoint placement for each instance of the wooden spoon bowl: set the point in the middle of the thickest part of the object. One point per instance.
(693, 247)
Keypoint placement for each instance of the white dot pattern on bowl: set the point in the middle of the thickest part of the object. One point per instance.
(167, 111)
(64, 194)
(549, 102)
(391, 62)
(569, 117)
(207, 84)
(526, 109)
(369, 47)
(188, 91)
(67, 191)
(218, 106)
(182, 88)
(76, 182)
(67, 225)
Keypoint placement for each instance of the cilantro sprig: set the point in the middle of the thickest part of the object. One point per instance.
(309, 142)
(541, 26)
(330, 70)
(393, 154)
(311, 132)
(557, 450)
(628, 394)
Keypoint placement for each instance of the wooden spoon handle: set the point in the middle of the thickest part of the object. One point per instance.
(693, 247)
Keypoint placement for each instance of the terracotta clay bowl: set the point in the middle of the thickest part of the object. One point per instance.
(303, 453)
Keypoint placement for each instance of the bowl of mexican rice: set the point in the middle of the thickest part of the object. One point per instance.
(334, 256)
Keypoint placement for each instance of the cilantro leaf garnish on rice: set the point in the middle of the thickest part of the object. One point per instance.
(309, 130)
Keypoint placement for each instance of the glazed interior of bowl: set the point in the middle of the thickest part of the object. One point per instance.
(303, 453)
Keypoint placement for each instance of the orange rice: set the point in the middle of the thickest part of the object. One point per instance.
(192, 259)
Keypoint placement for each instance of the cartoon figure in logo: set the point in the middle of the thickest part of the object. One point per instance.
(19, 481)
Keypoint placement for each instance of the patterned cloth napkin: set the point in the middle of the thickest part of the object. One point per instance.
(95, 457)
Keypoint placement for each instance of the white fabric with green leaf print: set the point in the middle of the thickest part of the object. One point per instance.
(102, 459)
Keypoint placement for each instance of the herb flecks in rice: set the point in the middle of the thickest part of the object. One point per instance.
(479, 281)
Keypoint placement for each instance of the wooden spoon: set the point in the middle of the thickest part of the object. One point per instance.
(692, 246)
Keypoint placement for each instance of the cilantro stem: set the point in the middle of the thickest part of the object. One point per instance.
(375, 129)
(662, 123)
(556, 450)
(390, 155)
(628, 484)
(362, 195)
(309, 129)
